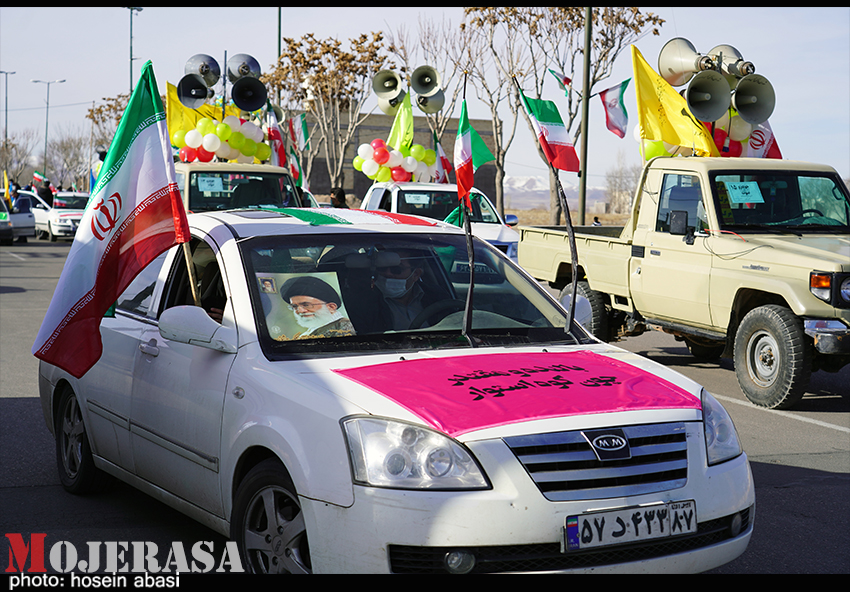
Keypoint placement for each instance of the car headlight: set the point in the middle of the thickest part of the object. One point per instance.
(721, 437)
(388, 453)
(844, 290)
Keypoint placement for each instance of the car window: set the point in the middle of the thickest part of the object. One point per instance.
(220, 190)
(70, 202)
(23, 205)
(209, 280)
(136, 299)
(681, 193)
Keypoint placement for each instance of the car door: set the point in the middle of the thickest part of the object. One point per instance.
(673, 281)
(23, 219)
(178, 397)
(40, 211)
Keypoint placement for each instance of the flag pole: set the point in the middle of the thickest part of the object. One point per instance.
(467, 227)
(585, 111)
(570, 233)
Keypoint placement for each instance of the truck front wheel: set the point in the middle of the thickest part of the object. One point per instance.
(598, 322)
(773, 357)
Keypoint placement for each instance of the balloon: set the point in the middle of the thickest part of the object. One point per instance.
(405, 151)
(233, 122)
(365, 151)
(430, 157)
(384, 174)
(417, 151)
(205, 126)
(370, 168)
(179, 138)
(739, 130)
(211, 142)
(188, 154)
(236, 140)
(381, 155)
(204, 155)
(264, 151)
(395, 159)
(249, 130)
(409, 164)
(378, 143)
(223, 151)
(223, 131)
(357, 163)
(249, 147)
(194, 138)
(653, 148)
(399, 175)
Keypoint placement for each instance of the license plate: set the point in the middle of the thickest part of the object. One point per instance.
(628, 525)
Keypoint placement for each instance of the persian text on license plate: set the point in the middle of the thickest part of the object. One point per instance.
(614, 527)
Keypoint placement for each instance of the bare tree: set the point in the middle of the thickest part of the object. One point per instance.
(17, 152)
(333, 84)
(621, 181)
(68, 157)
(107, 116)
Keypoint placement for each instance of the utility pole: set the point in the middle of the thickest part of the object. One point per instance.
(585, 109)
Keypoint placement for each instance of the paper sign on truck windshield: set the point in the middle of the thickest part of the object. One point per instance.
(465, 393)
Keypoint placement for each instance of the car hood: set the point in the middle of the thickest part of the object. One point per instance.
(494, 233)
(808, 251)
(463, 393)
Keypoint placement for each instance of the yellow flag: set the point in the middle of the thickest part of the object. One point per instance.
(180, 117)
(8, 194)
(401, 134)
(663, 113)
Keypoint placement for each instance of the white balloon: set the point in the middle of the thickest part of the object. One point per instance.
(739, 130)
(364, 151)
(395, 160)
(211, 143)
(409, 164)
(233, 122)
(370, 167)
(223, 150)
(194, 138)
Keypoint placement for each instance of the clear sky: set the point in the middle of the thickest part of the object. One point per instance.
(804, 52)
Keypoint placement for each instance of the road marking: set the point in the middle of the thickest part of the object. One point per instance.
(15, 255)
(788, 414)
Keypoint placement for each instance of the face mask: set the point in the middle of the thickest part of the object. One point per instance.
(390, 287)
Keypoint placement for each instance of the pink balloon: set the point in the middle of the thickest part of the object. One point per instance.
(399, 174)
(378, 143)
(381, 155)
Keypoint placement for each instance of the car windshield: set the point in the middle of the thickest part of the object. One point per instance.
(355, 292)
(767, 201)
(215, 190)
(442, 205)
(70, 202)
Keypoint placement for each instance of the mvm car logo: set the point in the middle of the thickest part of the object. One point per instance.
(106, 215)
(608, 444)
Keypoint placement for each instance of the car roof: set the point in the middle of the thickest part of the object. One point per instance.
(268, 222)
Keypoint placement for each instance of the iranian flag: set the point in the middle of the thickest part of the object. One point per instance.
(295, 167)
(443, 166)
(470, 153)
(278, 157)
(564, 82)
(551, 133)
(616, 117)
(298, 131)
(134, 214)
(762, 143)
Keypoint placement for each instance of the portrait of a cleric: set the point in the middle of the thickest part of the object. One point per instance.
(316, 309)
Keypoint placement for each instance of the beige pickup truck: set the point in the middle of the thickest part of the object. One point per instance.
(738, 257)
(228, 185)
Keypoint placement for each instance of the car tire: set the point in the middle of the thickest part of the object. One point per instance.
(599, 325)
(77, 471)
(269, 544)
(773, 357)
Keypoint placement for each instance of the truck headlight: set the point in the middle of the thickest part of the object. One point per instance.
(721, 437)
(844, 290)
(388, 453)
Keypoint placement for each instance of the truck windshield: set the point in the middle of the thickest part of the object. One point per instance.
(802, 200)
(221, 190)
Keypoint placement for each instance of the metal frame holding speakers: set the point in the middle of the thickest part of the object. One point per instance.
(202, 72)
(717, 80)
(425, 82)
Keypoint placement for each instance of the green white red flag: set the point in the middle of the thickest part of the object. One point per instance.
(616, 117)
(470, 153)
(563, 81)
(135, 213)
(299, 132)
(551, 133)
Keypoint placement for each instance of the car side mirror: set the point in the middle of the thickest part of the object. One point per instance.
(192, 325)
(511, 220)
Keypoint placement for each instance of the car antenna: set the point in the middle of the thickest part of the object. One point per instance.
(467, 228)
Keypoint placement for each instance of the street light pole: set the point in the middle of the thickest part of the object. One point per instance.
(46, 115)
(6, 124)
(132, 9)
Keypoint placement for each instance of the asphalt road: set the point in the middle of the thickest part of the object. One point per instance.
(800, 458)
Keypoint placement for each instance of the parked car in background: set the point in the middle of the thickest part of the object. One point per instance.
(439, 201)
(23, 220)
(323, 433)
(61, 218)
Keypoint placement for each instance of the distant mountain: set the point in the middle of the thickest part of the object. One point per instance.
(529, 193)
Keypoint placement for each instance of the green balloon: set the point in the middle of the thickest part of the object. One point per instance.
(236, 140)
(264, 151)
(223, 131)
(249, 147)
(430, 157)
(205, 125)
(357, 163)
(384, 174)
(417, 151)
(179, 138)
(653, 148)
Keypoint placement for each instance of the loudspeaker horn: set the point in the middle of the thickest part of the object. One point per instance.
(425, 81)
(754, 99)
(679, 60)
(205, 66)
(391, 106)
(249, 94)
(192, 91)
(432, 103)
(386, 84)
(708, 95)
(242, 65)
(730, 61)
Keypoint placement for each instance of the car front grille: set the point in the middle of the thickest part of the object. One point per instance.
(565, 467)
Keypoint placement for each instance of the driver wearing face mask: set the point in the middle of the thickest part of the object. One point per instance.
(403, 295)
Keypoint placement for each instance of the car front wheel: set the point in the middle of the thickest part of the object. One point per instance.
(268, 524)
(73, 453)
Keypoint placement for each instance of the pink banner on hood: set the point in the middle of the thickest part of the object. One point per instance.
(461, 394)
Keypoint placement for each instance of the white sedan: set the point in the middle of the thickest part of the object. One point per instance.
(59, 219)
(354, 411)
